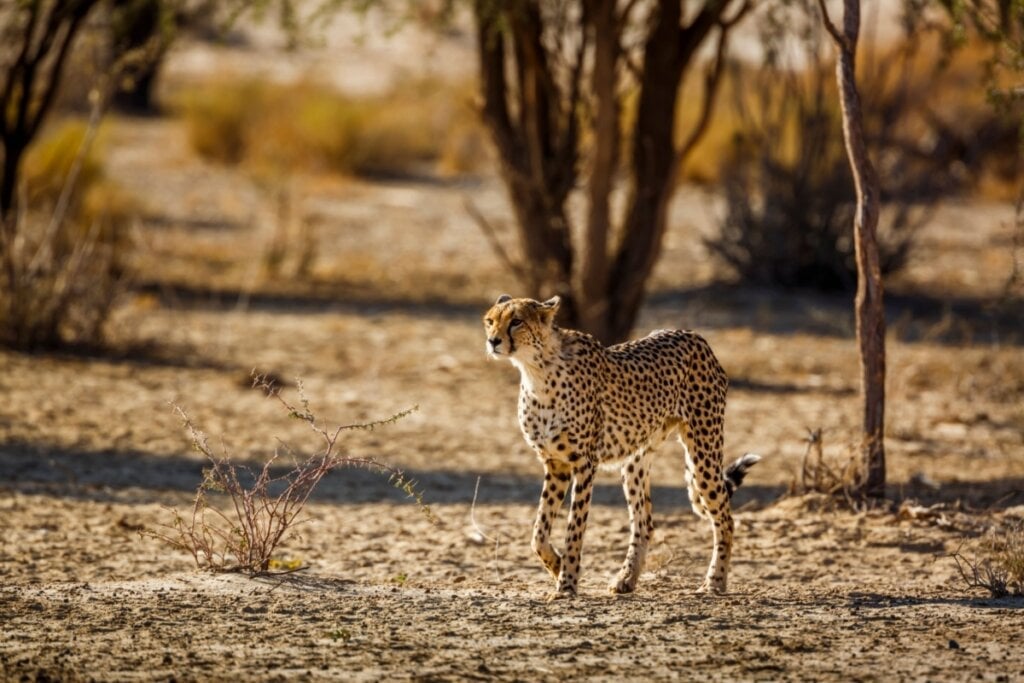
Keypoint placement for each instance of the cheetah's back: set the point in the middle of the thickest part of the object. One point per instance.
(652, 385)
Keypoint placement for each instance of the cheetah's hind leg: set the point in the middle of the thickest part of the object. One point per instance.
(711, 492)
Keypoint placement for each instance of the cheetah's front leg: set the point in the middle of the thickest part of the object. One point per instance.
(556, 481)
(568, 578)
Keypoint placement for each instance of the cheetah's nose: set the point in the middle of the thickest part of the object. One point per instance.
(495, 342)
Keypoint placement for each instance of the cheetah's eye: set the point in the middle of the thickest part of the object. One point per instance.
(488, 322)
(515, 322)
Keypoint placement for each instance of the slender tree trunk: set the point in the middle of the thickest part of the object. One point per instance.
(544, 241)
(136, 28)
(536, 143)
(593, 284)
(869, 305)
(41, 35)
(533, 118)
(652, 163)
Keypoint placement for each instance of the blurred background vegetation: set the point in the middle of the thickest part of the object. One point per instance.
(755, 124)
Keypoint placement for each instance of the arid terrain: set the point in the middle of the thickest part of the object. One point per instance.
(387, 317)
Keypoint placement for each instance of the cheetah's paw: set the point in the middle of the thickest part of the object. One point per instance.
(625, 582)
(562, 594)
(710, 587)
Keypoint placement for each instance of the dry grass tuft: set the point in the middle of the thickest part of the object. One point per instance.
(998, 564)
(66, 256)
(69, 149)
(219, 118)
(819, 477)
(306, 127)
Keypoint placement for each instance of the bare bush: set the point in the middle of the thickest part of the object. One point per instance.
(998, 565)
(55, 296)
(789, 192)
(818, 475)
(240, 517)
(64, 265)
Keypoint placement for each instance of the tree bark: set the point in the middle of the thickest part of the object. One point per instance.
(13, 152)
(594, 268)
(869, 304)
(667, 52)
(137, 34)
(536, 143)
(533, 118)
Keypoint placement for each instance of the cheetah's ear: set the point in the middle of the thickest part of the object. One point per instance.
(548, 308)
(553, 303)
(502, 299)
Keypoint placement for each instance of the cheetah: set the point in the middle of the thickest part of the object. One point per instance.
(583, 405)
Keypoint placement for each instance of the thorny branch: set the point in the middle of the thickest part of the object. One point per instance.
(262, 507)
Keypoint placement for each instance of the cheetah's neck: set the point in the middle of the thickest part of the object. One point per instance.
(536, 369)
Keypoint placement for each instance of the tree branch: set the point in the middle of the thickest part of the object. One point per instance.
(694, 33)
(712, 80)
(538, 114)
(17, 66)
(56, 70)
(494, 88)
(567, 149)
(840, 40)
(491, 234)
(627, 9)
(740, 13)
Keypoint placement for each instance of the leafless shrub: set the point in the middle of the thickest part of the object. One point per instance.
(998, 564)
(817, 475)
(789, 195)
(63, 268)
(49, 300)
(241, 517)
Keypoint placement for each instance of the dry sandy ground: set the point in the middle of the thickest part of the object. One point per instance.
(815, 596)
(90, 452)
(388, 317)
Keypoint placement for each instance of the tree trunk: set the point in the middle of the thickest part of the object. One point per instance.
(544, 242)
(535, 140)
(136, 35)
(41, 36)
(869, 305)
(652, 165)
(13, 152)
(533, 117)
(594, 269)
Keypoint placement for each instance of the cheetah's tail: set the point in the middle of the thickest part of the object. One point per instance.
(735, 472)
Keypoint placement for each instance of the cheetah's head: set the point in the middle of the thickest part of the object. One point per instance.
(518, 329)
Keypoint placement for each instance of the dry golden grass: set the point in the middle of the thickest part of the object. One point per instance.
(96, 203)
(51, 157)
(944, 93)
(307, 127)
(67, 266)
(998, 563)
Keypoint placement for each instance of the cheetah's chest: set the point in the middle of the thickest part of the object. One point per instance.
(541, 426)
(550, 424)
